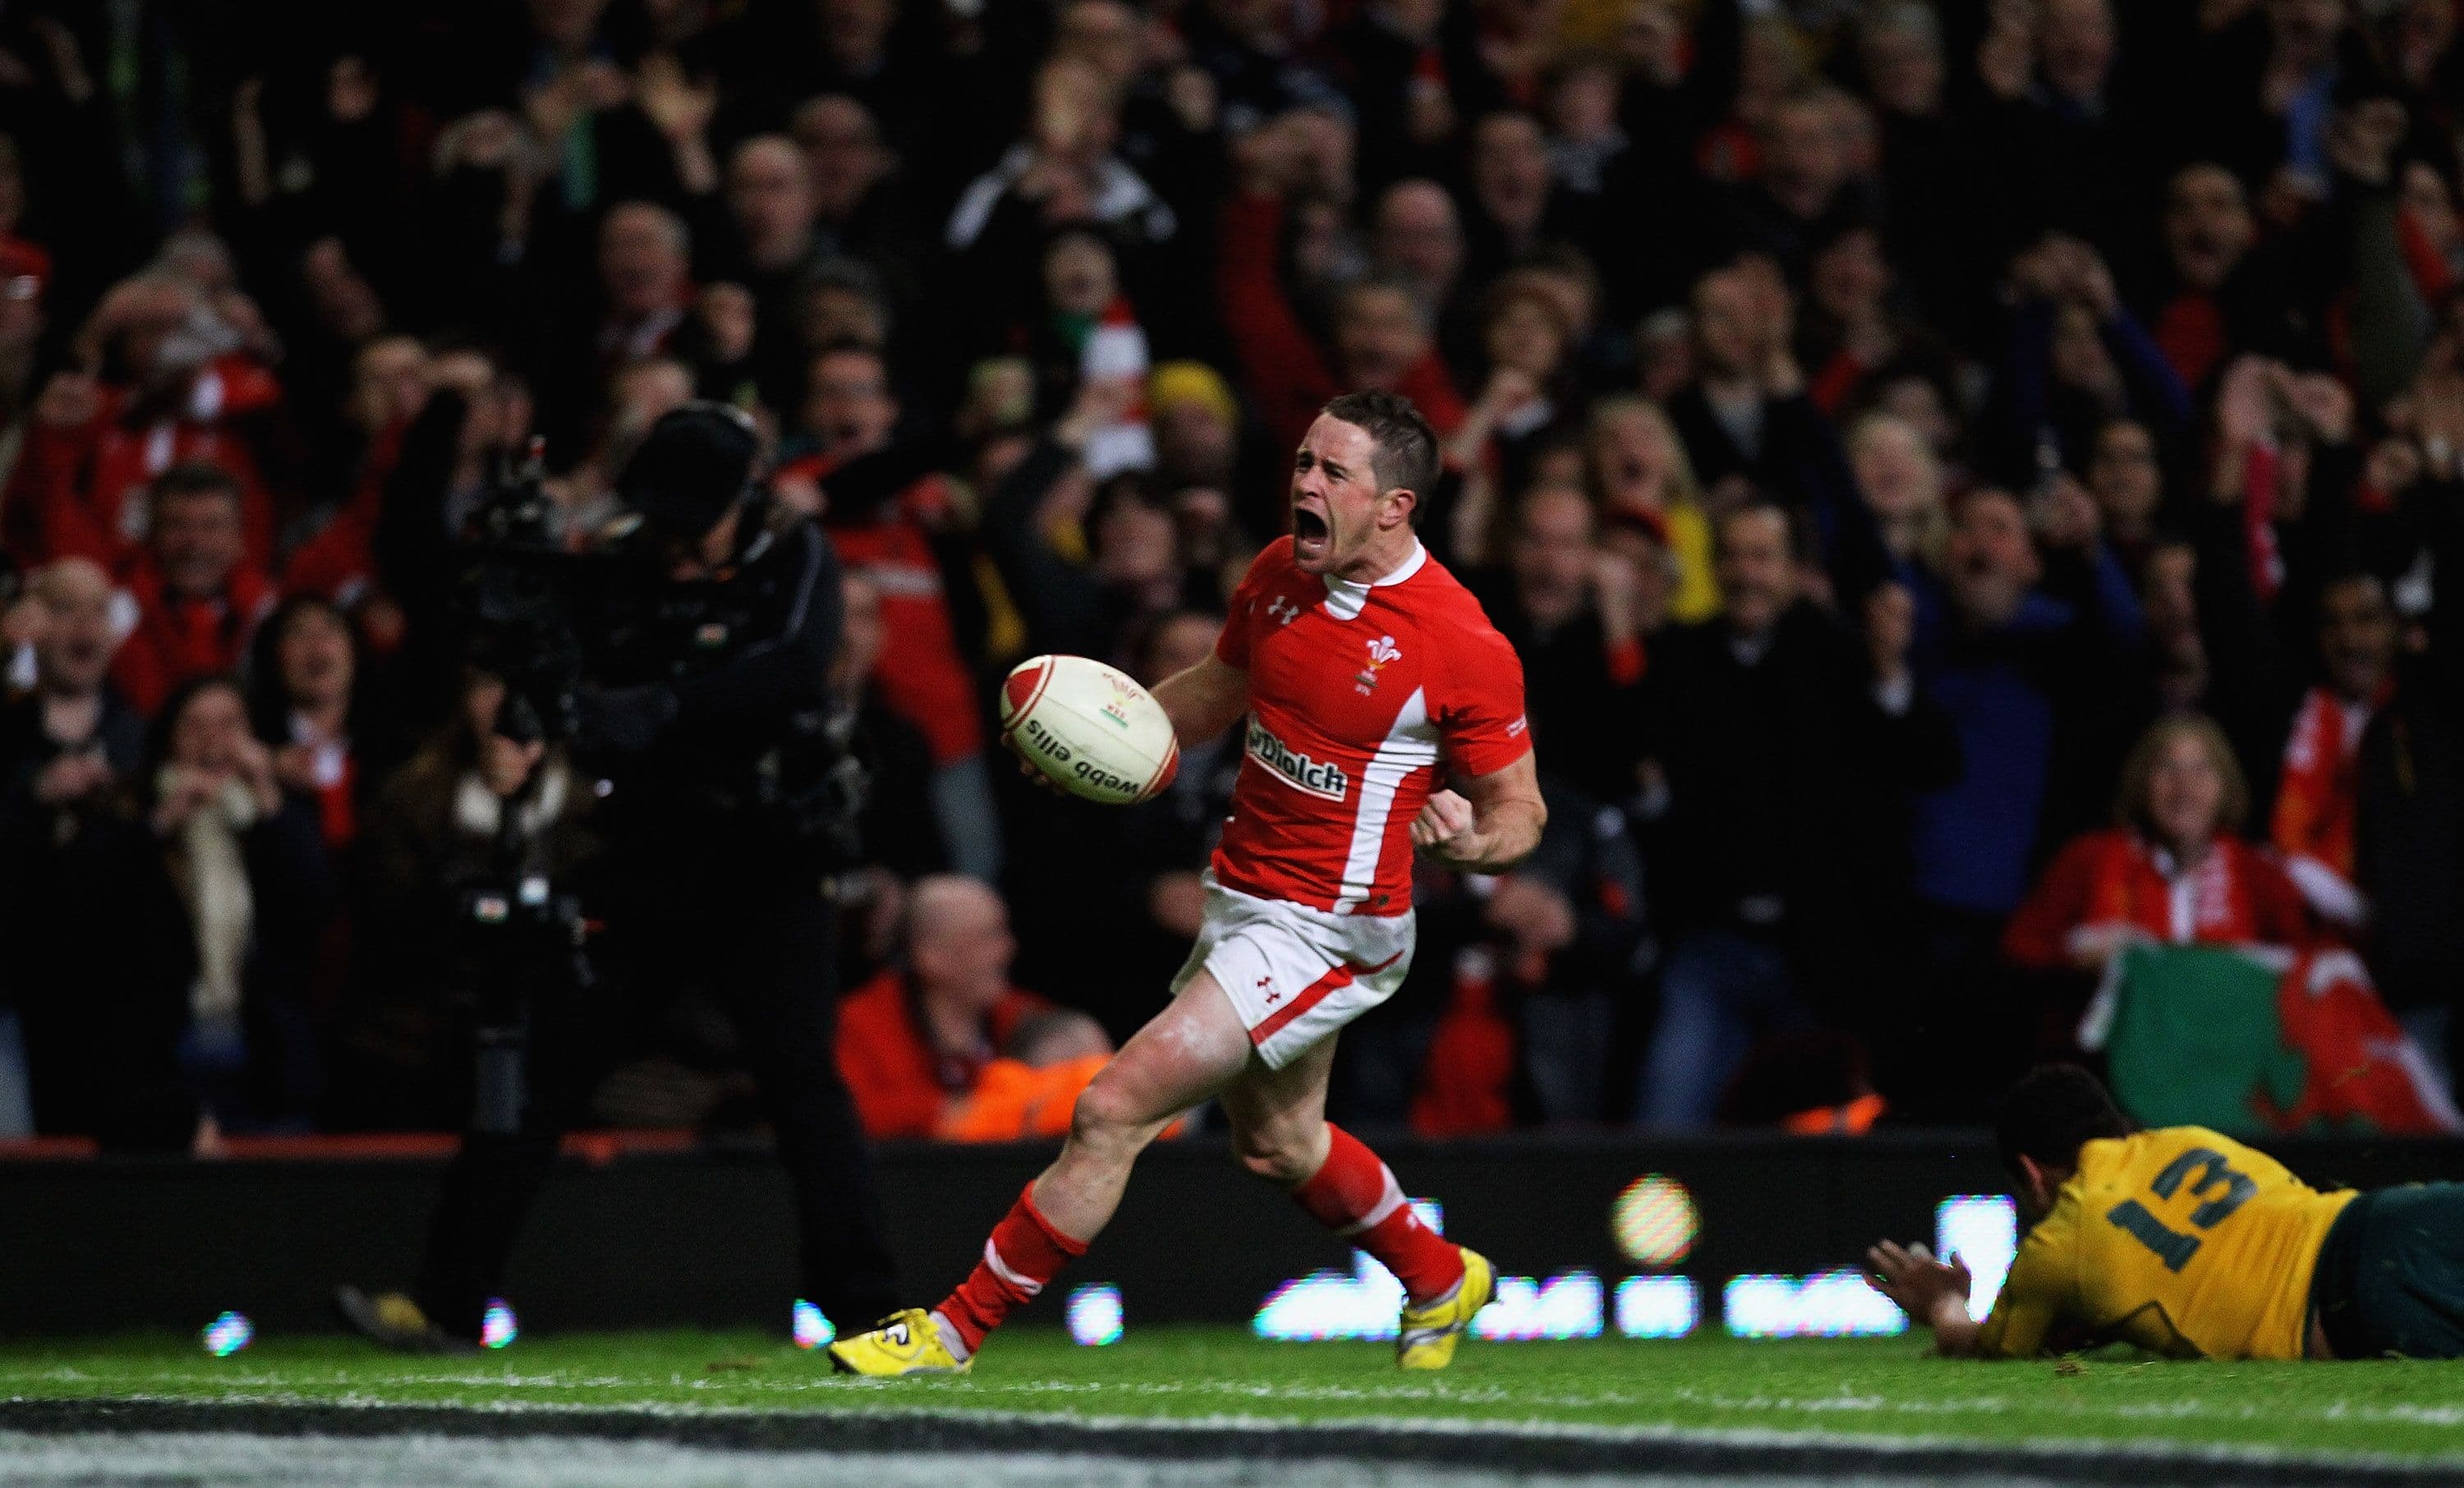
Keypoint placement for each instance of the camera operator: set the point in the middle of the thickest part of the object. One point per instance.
(727, 803)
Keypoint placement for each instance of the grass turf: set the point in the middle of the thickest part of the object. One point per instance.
(2410, 1411)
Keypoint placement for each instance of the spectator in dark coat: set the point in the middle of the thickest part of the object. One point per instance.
(1789, 749)
(1746, 417)
(67, 748)
(1568, 927)
(2409, 857)
(1569, 608)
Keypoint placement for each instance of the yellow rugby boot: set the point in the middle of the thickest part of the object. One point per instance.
(906, 1342)
(1432, 1329)
(393, 1321)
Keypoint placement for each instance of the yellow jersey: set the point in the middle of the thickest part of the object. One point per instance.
(2180, 1240)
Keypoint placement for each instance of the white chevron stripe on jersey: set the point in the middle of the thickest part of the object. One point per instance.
(1411, 744)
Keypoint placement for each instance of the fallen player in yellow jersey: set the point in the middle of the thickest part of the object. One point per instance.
(2188, 1244)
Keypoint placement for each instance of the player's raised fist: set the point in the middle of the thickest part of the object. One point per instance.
(1443, 829)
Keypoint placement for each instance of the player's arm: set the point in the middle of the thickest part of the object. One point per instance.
(2038, 1296)
(1492, 826)
(1933, 1294)
(1205, 700)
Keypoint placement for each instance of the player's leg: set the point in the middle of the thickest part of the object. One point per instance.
(2389, 1279)
(1187, 1053)
(1280, 1133)
(1278, 1117)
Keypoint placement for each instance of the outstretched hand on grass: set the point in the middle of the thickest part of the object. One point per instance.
(1933, 1292)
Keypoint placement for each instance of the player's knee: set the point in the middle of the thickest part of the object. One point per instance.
(1108, 1117)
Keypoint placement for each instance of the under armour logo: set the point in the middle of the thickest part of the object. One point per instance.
(1273, 998)
(1282, 609)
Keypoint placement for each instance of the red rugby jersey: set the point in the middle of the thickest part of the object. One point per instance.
(1356, 692)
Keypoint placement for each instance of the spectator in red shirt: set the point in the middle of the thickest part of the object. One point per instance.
(392, 377)
(2174, 870)
(199, 597)
(2318, 795)
(912, 1043)
(163, 386)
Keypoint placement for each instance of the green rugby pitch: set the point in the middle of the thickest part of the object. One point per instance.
(2390, 1412)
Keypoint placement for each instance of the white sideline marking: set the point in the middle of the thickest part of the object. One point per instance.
(1878, 1443)
(2346, 1410)
(219, 1459)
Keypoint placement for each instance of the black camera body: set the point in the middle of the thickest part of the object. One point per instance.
(529, 906)
(558, 625)
(797, 783)
(522, 599)
(524, 928)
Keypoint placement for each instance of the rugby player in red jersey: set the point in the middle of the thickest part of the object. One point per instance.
(1364, 668)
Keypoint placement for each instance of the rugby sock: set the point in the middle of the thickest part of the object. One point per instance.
(1024, 1253)
(1357, 1196)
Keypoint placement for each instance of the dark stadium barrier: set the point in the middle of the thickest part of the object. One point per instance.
(1607, 1235)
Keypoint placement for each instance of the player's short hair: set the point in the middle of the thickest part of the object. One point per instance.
(2051, 1112)
(1405, 453)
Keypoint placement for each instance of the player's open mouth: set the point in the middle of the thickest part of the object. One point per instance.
(1309, 530)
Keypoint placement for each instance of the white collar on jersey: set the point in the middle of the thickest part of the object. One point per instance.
(1345, 599)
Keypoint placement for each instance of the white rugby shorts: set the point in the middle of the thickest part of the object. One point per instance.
(1295, 974)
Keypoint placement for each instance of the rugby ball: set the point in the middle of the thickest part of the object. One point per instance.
(1091, 729)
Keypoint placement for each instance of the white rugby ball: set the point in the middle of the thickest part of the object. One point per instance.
(1089, 728)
